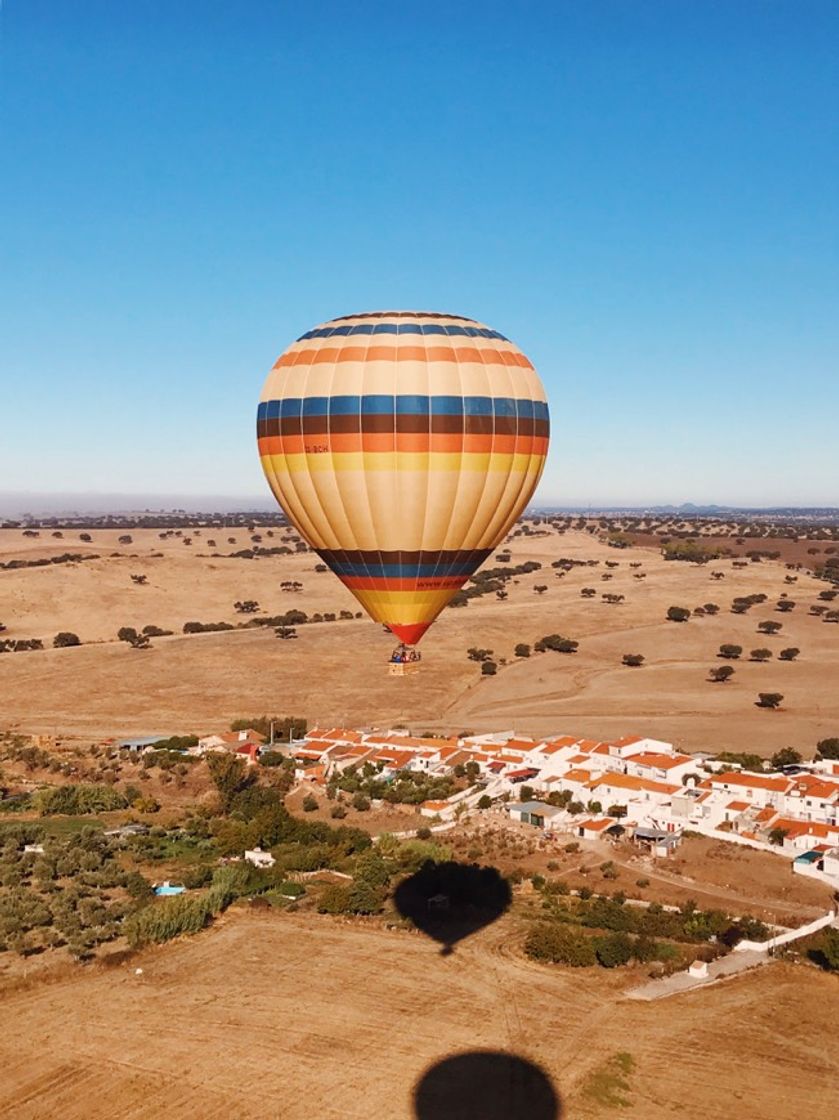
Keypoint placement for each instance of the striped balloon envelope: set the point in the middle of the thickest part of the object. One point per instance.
(403, 446)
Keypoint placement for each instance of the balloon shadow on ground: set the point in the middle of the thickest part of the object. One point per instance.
(486, 1085)
(449, 901)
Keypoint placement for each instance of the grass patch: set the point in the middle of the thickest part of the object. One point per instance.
(608, 1085)
(61, 827)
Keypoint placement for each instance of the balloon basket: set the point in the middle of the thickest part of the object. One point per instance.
(402, 668)
(404, 661)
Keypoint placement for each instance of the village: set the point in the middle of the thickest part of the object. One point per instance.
(637, 787)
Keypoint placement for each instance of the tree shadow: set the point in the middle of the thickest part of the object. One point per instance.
(486, 1085)
(449, 901)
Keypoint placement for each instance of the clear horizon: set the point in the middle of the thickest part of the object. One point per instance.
(642, 196)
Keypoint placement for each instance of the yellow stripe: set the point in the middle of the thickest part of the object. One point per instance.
(403, 606)
(399, 461)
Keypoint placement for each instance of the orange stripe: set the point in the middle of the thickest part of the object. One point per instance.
(403, 441)
(333, 354)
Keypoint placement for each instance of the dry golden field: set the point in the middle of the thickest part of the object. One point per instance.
(289, 1017)
(336, 672)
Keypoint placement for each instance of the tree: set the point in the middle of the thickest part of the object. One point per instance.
(540, 588)
(768, 627)
(588, 592)
(525, 793)
(828, 748)
(66, 638)
(522, 650)
(613, 949)
(712, 608)
(769, 700)
(789, 654)
(760, 654)
(719, 674)
(785, 605)
(732, 652)
(361, 803)
(786, 756)
(310, 803)
(230, 776)
(485, 802)
(556, 643)
(777, 836)
(489, 669)
(126, 633)
(633, 660)
(678, 614)
(618, 811)
(827, 953)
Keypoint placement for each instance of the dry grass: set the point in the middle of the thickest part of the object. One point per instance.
(336, 673)
(293, 1017)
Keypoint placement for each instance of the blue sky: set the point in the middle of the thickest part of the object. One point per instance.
(642, 195)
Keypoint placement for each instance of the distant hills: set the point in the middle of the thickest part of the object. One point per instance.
(20, 503)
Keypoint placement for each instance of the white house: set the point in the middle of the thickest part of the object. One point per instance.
(258, 858)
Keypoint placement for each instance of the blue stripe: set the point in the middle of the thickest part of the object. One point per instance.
(477, 406)
(378, 404)
(447, 406)
(402, 328)
(344, 406)
(383, 404)
(403, 571)
(412, 405)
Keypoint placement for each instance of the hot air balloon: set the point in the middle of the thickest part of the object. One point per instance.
(402, 446)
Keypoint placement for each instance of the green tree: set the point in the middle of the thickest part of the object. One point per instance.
(730, 651)
(230, 776)
(66, 638)
(522, 650)
(762, 654)
(789, 654)
(828, 748)
(614, 949)
(769, 700)
(827, 953)
(768, 627)
(678, 614)
(720, 673)
(485, 802)
(310, 803)
(786, 756)
(633, 660)
(777, 836)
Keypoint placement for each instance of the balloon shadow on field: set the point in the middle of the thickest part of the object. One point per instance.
(449, 901)
(486, 1085)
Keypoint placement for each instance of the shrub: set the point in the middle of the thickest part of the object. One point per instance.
(310, 803)
(76, 800)
(560, 945)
